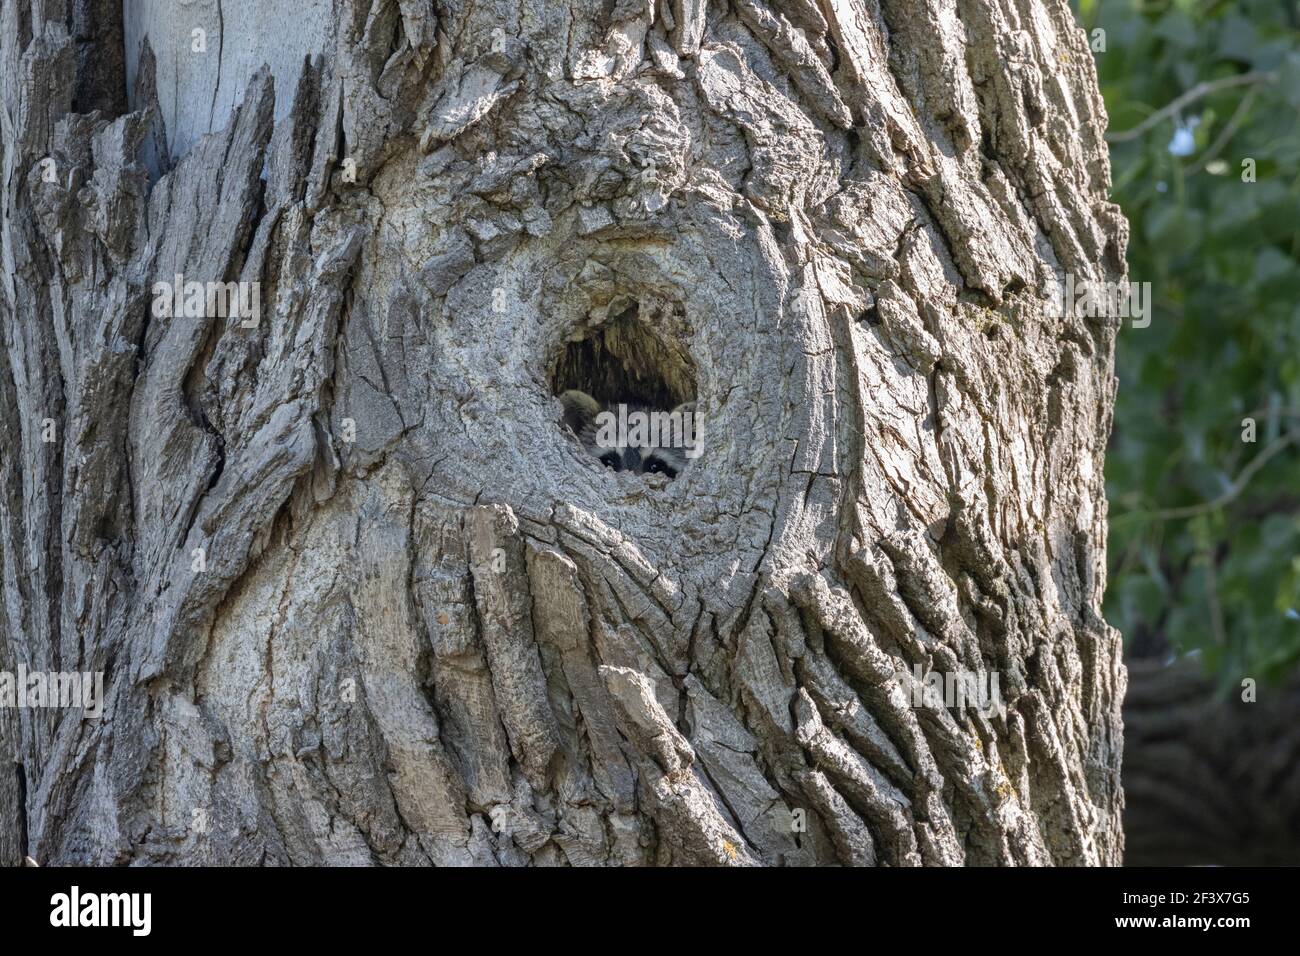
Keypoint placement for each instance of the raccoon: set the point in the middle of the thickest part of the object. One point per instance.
(641, 449)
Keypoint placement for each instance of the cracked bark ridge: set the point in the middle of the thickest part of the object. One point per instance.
(428, 627)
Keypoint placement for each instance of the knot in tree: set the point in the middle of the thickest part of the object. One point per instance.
(433, 622)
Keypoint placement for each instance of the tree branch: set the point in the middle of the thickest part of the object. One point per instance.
(1238, 486)
(1230, 130)
(1191, 96)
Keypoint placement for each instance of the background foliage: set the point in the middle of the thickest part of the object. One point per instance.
(1205, 527)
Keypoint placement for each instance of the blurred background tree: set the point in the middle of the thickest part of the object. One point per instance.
(1203, 470)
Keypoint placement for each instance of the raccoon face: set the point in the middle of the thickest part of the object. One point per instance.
(629, 437)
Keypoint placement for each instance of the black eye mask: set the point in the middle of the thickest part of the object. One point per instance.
(581, 415)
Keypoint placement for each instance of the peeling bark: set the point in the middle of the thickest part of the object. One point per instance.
(425, 626)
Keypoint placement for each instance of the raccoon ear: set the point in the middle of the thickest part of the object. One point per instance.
(580, 409)
(692, 430)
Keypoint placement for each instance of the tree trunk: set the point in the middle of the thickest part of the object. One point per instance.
(359, 598)
(1211, 779)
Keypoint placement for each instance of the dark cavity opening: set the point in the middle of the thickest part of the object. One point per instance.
(634, 370)
(627, 360)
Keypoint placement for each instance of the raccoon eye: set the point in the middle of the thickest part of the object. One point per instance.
(656, 467)
(611, 460)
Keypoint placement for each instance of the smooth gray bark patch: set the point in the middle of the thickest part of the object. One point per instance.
(208, 51)
(358, 596)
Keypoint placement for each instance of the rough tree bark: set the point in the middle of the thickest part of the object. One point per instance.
(425, 627)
